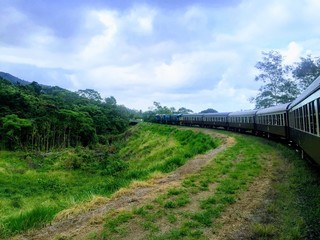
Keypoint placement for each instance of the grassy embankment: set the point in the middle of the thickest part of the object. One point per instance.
(35, 187)
(291, 209)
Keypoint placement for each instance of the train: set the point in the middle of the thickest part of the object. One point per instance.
(297, 122)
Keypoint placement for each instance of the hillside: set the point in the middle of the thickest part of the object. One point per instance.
(35, 187)
(13, 79)
(41, 118)
(247, 188)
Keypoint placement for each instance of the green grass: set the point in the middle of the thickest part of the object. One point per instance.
(232, 171)
(291, 211)
(34, 187)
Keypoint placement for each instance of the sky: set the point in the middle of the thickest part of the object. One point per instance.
(192, 54)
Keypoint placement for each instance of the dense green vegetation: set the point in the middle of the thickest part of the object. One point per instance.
(36, 186)
(191, 211)
(42, 118)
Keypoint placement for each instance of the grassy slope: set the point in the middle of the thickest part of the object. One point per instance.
(189, 212)
(33, 190)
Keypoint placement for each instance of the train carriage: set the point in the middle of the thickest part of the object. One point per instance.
(192, 119)
(304, 121)
(273, 121)
(173, 119)
(242, 121)
(216, 120)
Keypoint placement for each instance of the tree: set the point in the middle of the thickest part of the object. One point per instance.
(278, 88)
(209, 110)
(184, 110)
(15, 130)
(306, 71)
(90, 94)
(162, 110)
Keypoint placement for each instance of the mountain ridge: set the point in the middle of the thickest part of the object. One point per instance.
(13, 79)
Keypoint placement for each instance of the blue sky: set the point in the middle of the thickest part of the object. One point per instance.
(193, 54)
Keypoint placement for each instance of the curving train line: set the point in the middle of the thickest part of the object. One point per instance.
(297, 122)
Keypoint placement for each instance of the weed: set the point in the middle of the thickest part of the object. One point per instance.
(263, 231)
(23, 221)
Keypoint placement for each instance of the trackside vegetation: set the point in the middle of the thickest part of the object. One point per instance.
(35, 186)
(193, 210)
(292, 208)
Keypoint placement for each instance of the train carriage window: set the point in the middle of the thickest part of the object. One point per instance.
(301, 118)
(306, 118)
(317, 116)
(311, 115)
(296, 118)
(314, 117)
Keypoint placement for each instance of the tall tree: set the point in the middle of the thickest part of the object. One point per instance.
(90, 94)
(209, 110)
(278, 88)
(306, 71)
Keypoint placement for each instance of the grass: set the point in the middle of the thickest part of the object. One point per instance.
(36, 186)
(231, 172)
(291, 209)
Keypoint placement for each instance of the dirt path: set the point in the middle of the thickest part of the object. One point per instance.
(78, 223)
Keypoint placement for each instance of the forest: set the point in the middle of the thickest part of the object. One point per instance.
(42, 118)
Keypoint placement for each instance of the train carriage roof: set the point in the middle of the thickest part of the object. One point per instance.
(274, 109)
(315, 86)
(222, 114)
(243, 113)
(192, 115)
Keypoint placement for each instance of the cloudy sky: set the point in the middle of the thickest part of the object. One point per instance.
(193, 54)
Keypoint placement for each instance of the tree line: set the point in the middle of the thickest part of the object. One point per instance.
(43, 118)
(282, 82)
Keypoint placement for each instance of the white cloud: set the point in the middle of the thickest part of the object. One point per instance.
(100, 43)
(292, 54)
(194, 56)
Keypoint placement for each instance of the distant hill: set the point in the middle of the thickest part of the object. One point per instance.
(13, 79)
